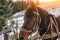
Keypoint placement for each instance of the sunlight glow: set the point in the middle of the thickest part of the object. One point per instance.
(44, 0)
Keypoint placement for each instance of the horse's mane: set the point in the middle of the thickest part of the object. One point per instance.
(44, 20)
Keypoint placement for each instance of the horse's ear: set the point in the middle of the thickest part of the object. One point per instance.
(33, 6)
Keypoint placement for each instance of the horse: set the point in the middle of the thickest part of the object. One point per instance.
(35, 15)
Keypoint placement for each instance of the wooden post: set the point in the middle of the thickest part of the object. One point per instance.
(5, 34)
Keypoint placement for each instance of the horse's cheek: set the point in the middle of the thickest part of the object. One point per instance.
(21, 34)
(26, 35)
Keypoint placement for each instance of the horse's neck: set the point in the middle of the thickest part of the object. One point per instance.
(44, 24)
(44, 21)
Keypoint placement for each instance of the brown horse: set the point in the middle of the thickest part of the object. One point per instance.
(31, 14)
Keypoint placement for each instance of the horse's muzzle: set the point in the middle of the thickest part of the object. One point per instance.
(21, 38)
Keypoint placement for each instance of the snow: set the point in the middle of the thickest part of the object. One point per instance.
(16, 17)
(19, 14)
(55, 12)
(1, 37)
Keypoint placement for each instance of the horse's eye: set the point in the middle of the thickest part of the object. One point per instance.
(32, 19)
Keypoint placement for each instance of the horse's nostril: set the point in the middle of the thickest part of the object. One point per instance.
(21, 38)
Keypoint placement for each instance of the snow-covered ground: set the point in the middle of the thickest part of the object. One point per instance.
(16, 17)
(20, 18)
(55, 12)
(1, 37)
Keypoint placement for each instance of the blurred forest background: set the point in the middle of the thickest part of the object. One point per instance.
(8, 8)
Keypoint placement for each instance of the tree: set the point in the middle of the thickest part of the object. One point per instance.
(6, 10)
(19, 6)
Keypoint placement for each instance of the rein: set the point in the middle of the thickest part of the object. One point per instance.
(53, 34)
(55, 25)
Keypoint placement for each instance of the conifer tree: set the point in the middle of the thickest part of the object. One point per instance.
(6, 10)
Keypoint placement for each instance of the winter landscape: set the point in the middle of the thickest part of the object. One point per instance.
(18, 17)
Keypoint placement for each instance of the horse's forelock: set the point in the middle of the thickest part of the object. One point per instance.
(29, 12)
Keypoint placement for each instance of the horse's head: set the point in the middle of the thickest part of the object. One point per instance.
(27, 27)
(29, 21)
(31, 15)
